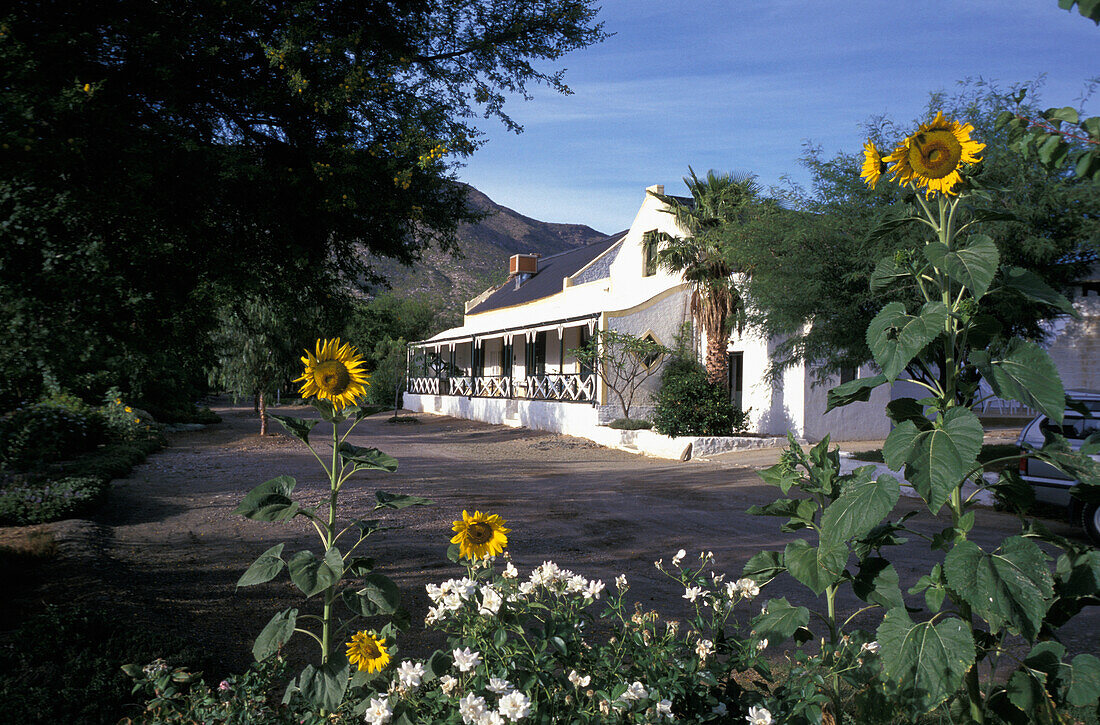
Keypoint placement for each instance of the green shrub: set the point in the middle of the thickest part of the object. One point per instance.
(64, 665)
(630, 424)
(35, 503)
(32, 435)
(689, 405)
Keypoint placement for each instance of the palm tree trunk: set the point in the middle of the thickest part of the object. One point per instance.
(717, 361)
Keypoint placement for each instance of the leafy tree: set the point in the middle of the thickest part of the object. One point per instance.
(687, 403)
(258, 346)
(158, 159)
(717, 202)
(811, 260)
(623, 361)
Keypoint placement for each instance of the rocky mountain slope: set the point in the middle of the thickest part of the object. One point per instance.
(484, 248)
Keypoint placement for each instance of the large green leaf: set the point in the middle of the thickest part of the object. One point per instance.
(800, 511)
(1025, 373)
(324, 687)
(858, 390)
(366, 458)
(1011, 587)
(926, 660)
(379, 595)
(936, 459)
(1082, 682)
(270, 501)
(972, 263)
(1032, 287)
(313, 575)
(764, 566)
(896, 337)
(385, 500)
(816, 566)
(266, 567)
(863, 503)
(886, 273)
(900, 410)
(779, 620)
(297, 427)
(878, 583)
(275, 634)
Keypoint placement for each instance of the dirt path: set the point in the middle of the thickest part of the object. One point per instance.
(167, 548)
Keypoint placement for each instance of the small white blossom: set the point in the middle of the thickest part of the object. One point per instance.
(526, 588)
(466, 660)
(579, 681)
(490, 601)
(435, 592)
(704, 648)
(576, 584)
(679, 557)
(510, 571)
(471, 708)
(491, 717)
(748, 588)
(605, 707)
(435, 614)
(447, 684)
(515, 706)
(762, 645)
(692, 593)
(759, 716)
(635, 691)
(592, 591)
(410, 674)
(466, 587)
(499, 686)
(658, 563)
(620, 581)
(664, 708)
(717, 578)
(452, 601)
(871, 647)
(379, 712)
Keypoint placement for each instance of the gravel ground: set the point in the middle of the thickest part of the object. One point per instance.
(167, 549)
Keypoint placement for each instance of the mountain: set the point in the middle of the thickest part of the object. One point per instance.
(484, 249)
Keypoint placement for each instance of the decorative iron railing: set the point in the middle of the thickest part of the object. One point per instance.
(564, 387)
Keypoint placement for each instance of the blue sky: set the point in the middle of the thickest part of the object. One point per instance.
(742, 84)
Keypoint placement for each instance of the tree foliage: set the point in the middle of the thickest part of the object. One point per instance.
(157, 159)
(811, 260)
(717, 202)
(623, 361)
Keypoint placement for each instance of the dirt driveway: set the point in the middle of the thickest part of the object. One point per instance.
(167, 548)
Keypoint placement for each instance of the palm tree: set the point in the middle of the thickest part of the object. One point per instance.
(717, 202)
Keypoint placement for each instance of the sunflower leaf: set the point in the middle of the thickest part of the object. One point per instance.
(399, 500)
(270, 501)
(273, 636)
(266, 567)
(297, 427)
(366, 458)
(379, 595)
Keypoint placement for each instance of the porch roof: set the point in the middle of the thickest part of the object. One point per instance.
(469, 332)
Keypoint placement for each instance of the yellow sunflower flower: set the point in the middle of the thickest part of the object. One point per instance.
(368, 652)
(480, 535)
(936, 152)
(335, 373)
(873, 165)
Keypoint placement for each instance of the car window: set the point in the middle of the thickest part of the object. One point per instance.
(1073, 427)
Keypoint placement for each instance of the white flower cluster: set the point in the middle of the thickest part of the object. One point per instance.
(473, 708)
(561, 581)
(636, 691)
(451, 595)
(759, 716)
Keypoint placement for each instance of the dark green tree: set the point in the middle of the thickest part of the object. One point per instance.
(159, 159)
(812, 260)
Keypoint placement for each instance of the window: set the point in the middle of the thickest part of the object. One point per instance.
(534, 357)
(649, 254)
(654, 357)
(848, 373)
(736, 372)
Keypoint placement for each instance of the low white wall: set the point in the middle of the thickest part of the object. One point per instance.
(570, 418)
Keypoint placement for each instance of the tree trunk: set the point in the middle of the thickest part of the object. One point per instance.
(261, 404)
(717, 360)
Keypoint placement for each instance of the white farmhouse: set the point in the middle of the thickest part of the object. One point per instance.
(511, 363)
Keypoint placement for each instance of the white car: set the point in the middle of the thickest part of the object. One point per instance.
(1050, 484)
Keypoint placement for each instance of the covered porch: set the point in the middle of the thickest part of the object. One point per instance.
(530, 363)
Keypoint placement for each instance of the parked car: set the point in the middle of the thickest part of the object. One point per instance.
(1050, 484)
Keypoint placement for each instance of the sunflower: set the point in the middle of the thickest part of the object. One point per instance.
(368, 652)
(480, 535)
(873, 165)
(933, 155)
(335, 373)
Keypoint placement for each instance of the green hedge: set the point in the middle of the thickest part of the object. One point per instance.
(688, 405)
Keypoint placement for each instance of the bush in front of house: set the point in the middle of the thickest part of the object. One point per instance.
(688, 405)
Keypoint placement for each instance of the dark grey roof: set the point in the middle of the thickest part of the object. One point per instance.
(551, 275)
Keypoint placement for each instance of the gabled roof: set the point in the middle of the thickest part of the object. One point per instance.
(550, 278)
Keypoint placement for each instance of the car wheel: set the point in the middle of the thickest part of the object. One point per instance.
(1088, 517)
